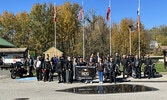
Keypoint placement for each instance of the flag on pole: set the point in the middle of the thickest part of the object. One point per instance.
(80, 14)
(54, 13)
(108, 13)
(138, 19)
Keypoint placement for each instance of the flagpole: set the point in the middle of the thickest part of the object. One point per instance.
(130, 39)
(139, 28)
(110, 27)
(55, 29)
(83, 31)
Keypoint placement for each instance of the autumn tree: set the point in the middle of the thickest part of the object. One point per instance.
(42, 27)
(7, 26)
(120, 38)
(67, 27)
(22, 29)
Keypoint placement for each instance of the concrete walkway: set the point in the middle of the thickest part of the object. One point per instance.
(32, 90)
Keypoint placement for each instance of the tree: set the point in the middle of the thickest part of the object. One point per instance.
(42, 27)
(67, 27)
(120, 38)
(22, 30)
(6, 26)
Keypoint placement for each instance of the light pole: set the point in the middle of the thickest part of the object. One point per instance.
(130, 39)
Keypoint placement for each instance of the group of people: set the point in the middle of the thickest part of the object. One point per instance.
(108, 67)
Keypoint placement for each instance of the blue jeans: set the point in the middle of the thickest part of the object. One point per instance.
(100, 76)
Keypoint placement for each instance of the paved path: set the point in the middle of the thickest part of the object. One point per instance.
(11, 89)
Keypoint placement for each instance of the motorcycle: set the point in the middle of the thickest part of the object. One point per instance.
(18, 70)
(152, 71)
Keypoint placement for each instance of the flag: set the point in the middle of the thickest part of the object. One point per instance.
(80, 14)
(108, 14)
(138, 19)
(54, 13)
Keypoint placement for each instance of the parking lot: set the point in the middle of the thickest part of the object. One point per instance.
(12, 89)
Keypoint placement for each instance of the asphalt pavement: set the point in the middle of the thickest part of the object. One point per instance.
(12, 89)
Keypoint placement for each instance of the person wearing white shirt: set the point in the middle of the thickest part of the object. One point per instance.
(38, 69)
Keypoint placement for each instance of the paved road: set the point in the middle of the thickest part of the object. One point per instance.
(12, 89)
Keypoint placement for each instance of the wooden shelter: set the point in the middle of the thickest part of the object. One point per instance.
(51, 52)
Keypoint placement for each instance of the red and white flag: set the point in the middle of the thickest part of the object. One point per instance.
(80, 14)
(54, 13)
(108, 12)
(138, 19)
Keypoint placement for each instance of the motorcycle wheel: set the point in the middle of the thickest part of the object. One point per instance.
(13, 76)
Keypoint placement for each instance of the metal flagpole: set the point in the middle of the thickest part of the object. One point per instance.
(83, 30)
(130, 39)
(139, 28)
(110, 26)
(55, 28)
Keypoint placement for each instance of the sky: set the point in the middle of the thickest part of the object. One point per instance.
(153, 13)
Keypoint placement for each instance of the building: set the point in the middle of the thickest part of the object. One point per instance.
(154, 46)
(162, 48)
(51, 52)
(5, 44)
(10, 54)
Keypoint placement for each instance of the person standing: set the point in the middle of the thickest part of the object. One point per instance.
(112, 71)
(117, 59)
(29, 63)
(137, 67)
(129, 68)
(97, 58)
(92, 57)
(59, 68)
(63, 65)
(46, 68)
(131, 57)
(124, 63)
(51, 71)
(108, 57)
(69, 70)
(38, 69)
(148, 63)
(100, 69)
(106, 67)
(74, 66)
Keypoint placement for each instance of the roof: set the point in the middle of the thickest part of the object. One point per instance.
(11, 50)
(51, 48)
(5, 43)
(163, 47)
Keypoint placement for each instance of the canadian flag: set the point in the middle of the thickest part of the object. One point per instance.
(54, 13)
(108, 13)
(80, 14)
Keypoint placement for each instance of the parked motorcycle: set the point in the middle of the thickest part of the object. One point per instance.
(152, 71)
(18, 70)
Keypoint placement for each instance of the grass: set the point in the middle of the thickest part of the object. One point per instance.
(159, 67)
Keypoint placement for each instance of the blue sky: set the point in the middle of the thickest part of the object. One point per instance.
(153, 12)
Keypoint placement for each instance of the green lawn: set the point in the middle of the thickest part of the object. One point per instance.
(159, 67)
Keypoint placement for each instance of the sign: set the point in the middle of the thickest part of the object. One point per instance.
(85, 72)
(12, 58)
(32, 53)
